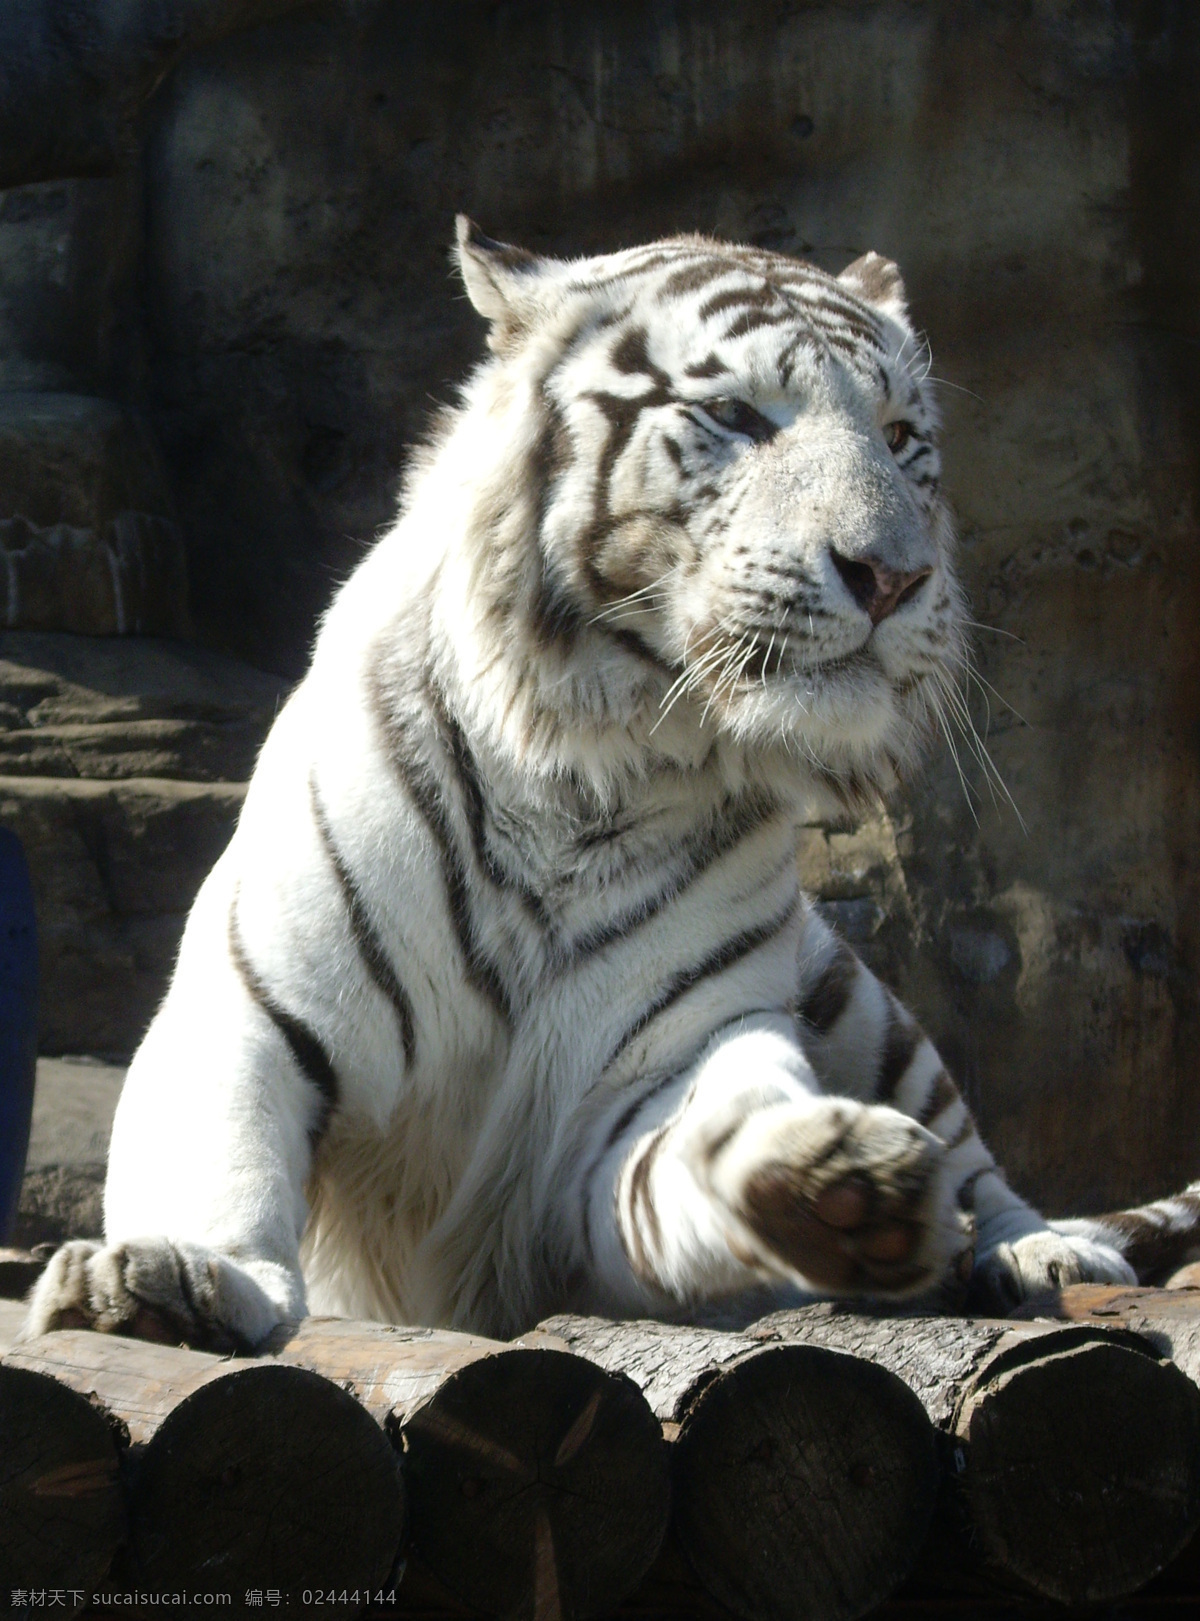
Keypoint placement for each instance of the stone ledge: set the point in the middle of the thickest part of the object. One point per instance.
(115, 868)
(62, 1195)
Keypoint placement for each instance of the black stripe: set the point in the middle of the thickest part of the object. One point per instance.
(917, 455)
(725, 956)
(425, 792)
(848, 315)
(711, 367)
(633, 643)
(1154, 1242)
(618, 1128)
(555, 619)
(737, 298)
(714, 1148)
(966, 1188)
(965, 1130)
(622, 412)
(942, 1093)
(629, 1114)
(839, 340)
(900, 1044)
(310, 1056)
(825, 1003)
(370, 947)
(752, 319)
(783, 365)
(740, 816)
(640, 1198)
(692, 277)
(640, 266)
(470, 784)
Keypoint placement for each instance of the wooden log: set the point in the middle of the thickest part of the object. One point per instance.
(804, 1479)
(240, 1473)
(62, 1512)
(1169, 1318)
(537, 1482)
(1073, 1451)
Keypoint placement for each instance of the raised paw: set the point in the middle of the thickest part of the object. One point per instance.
(1039, 1264)
(846, 1199)
(149, 1289)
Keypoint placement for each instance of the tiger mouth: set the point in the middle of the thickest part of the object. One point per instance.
(763, 674)
(774, 665)
(790, 668)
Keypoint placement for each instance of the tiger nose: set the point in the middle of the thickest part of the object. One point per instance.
(878, 589)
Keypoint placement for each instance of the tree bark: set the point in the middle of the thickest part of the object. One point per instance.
(537, 1482)
(1072, 1451)
(804, 1479)
(240, 1473)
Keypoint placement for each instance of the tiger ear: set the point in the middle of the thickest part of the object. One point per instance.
(497, 276)
(879, 282)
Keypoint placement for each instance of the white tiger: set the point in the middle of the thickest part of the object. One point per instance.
(503, 998)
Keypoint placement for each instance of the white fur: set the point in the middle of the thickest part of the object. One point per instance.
(495, 1177)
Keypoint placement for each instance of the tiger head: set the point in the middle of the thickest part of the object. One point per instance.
(714, 509)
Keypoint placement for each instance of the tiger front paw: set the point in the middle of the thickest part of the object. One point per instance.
(149, 1289)
(1041, 1263)
(845, 1199)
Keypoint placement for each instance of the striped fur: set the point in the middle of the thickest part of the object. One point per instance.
(1156, 1239)
(504, 996)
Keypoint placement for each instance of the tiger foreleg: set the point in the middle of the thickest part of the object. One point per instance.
(864, 1043)
(204, 1201)
(742, 1171)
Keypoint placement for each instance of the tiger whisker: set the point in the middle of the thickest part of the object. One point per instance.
(944, 382)
(956, 707)
(977, 624)
(686, 681)
(981, 681)
(727, 666)
(767, 659)
(944, 727)
(645, 591)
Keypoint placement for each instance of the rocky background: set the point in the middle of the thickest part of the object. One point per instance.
(226, 309)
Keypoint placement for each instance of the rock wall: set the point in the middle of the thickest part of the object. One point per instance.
(271, 313)
(123, 764)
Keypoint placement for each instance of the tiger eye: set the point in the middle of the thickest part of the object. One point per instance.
(898, 434)
(738, 417)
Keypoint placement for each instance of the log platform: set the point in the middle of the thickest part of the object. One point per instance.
(238, 1472)
(62, 1509)
(1070, 1451)
(537, 1479)
(825, 1465)
(805, 1479)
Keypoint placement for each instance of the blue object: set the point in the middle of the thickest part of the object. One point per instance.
(18, 1022)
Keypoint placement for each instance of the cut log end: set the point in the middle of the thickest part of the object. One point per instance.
(1078, 1469)
(268, 1476)
(538, 1485)
(805, 1482)
(61, 1509)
